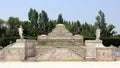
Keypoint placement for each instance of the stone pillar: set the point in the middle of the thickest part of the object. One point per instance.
(91, 46)
(29, 48)
(16, 52)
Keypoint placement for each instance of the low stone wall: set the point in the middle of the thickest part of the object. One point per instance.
(1, 55)
(14, 54)
(18, 51)
(105, 54)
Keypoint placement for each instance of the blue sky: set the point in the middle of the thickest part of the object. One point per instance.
(82, 10)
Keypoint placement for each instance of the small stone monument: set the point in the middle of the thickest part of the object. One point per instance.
(20, 29)
(98, 30)
(91, 45)
(16, 51)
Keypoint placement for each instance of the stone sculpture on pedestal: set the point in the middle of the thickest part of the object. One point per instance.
(20, 29)
(98, 30)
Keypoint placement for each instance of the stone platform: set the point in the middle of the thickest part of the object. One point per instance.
(60, 36)
(95, 50)
(59, 45)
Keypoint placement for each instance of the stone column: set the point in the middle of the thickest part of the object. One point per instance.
(91, 46)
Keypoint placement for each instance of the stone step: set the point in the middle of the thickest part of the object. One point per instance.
(59, 54)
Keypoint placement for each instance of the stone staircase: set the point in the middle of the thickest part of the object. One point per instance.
(80, 51)
(60, 54)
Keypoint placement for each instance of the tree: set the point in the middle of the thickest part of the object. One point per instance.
(85, 33)
(110, 31)
(68, 25)
(27, 28)
(101, 23)
(43, 22)
(33, 17)
(87, 30)
(105, 30)
(13, 24)
(60, 19)
(51, 25)
(2, 28)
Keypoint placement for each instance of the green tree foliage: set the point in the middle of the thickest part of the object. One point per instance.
(76, 29)
(110, 31)
(106, 31)
(33, 17)
(87, 30)
(68, 25)
(27, 28)
(40, 24)
(51, 25)
(13, 24)
(2, 28)
(60, 19)
(43, 22)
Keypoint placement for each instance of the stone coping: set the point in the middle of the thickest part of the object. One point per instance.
(93, 41)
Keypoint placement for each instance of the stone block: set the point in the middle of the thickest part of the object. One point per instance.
(15, 54)
(91, 52)
(105, 54)
(91, 46)
(30, 52)
(30, 43)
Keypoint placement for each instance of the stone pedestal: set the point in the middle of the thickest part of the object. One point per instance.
(16, 52)
(91, 46)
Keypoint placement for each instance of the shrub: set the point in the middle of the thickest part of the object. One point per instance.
(107, 41)
(6, 41)
(33, 38)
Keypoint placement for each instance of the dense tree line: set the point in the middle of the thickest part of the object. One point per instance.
(39, 23)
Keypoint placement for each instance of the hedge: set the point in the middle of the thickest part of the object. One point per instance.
(107, 41)
(6, 40)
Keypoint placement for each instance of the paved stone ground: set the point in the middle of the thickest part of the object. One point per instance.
(57, 54)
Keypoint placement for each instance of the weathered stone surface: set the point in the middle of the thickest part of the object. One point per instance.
(41, 50)
(94, 43)
(91, 46)
(30, 52)
(60, 36)
(60, 30)
(30, 43)
(105, 54)
(1, 55)
(59, 54)
(16, 52)
(29, 48)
